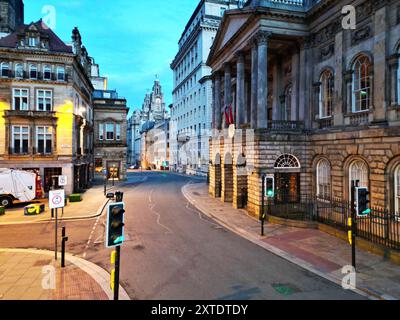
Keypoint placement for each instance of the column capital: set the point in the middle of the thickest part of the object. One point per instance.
(262, 37)
(239, 55)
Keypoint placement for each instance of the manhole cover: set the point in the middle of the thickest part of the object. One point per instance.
(285, 289)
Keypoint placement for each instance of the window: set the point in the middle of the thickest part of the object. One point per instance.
(33, 71)
(19, 71)
(32, 42)
(44, 139)
(44, 100)
(47, 73)
(5, 69)
(109, 131)
(358, 171)
(101, 131)
(222, 11)
(20, 139)
(326, 94)
(60, 74)
(20, 99)
(397, 191)
(362, 84)
(323, 179)
(118, 131)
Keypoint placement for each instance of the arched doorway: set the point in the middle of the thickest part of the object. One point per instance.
(287, 179)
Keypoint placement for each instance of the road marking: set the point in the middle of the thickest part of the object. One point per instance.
(91, 236)
(201, 216)
(151, 207)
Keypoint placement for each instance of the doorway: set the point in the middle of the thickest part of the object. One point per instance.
(287, 187)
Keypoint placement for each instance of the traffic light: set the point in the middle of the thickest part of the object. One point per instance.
(115, 224)
(270, 187)
(362, 202)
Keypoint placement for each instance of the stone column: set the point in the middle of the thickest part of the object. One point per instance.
(277, 89)
(228, 85)
(217, 93)
(254, 86)
(348, 80)
(339, 102)
(295, 86)
(262, 83)
(393, 89)
(240, 91)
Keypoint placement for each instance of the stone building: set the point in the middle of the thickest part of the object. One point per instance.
(191, 114)
(110, 130)
(11, 16)
(46, 115)
(318, 105)
(134, 139)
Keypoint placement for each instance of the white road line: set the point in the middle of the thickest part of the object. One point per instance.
(91, 236)
(151, 207)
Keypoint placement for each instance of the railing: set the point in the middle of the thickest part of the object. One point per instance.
(361, 118)
(301, 4)
(325, 123)
(380, 226)
(281, 125)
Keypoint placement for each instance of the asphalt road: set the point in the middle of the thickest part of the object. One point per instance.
(174, 252)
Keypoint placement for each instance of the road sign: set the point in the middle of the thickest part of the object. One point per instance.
(62, 181)
(56, 199)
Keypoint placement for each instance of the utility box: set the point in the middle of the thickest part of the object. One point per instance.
(34, 209)
(75, 198)
(2, 211)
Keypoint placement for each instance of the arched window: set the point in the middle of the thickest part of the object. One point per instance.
(362, 84)
(19, 70)
(287, 161)
(323, 179)
(358, 171)
(5, 69)
(397, 191)
(33, 71)
(287, 108)
(47, 72)
(326, 94)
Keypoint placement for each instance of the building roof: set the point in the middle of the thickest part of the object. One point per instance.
(55, 44)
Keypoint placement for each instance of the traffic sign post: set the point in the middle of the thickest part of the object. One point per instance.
(62, 181)
(56, 201)
(353, 227)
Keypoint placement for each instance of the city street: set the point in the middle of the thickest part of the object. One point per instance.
(172, 251)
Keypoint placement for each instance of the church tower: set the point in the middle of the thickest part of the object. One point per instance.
(11, 16)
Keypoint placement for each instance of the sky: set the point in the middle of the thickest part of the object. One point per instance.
(131, 40)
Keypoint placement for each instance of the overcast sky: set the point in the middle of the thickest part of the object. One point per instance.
(131, 40)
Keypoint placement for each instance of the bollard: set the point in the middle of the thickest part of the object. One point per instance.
(64, 240)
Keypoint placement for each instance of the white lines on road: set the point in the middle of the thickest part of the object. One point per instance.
(91, 235)
(151, 207)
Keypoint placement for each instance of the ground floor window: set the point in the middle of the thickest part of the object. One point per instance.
(287, 187)
(323, 179)
(50, 179)
(98, 163)
(358, 171)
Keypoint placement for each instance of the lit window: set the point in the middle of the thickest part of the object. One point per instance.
(20, 99)
(19, 71)
(109, 131)
(44, 100)
(33, 71)
(5, 70)
(60, 74)
(44, 140)
(323, 179)
(362, 84)
(20, 139)
(358, 171)
(397, 191)
(326, 94)
(47, 73)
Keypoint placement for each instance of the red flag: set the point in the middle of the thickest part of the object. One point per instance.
(229, 115)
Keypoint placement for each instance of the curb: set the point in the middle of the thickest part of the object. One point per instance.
(368, 293)
(101, 276)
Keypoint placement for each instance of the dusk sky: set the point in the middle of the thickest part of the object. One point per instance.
(132, 41)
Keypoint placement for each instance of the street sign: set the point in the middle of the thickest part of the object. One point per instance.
(62, 181)
(56, 199)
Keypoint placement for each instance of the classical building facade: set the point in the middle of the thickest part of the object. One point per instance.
(11, 16)
(134, 138)
(191, 114)
(110, 123)
(46, 115)
(318, 105)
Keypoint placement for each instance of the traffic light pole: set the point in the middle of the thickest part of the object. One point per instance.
(354, 184)
(117, 267)
(262, 217)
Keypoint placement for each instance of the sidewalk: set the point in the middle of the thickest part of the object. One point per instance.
(92, 202)
(25, 274)
(311, 249)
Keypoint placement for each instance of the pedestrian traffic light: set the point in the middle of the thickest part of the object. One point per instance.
(115, 224)
(362, 202)
(270, 187)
